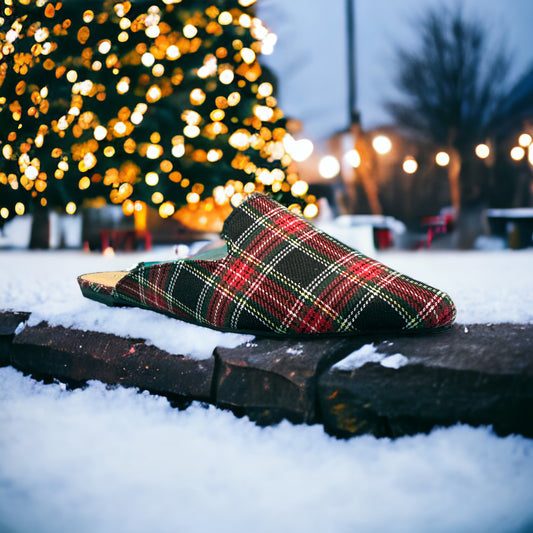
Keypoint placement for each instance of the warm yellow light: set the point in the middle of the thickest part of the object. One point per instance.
(191, 131)
(299, 188)
(189, 31)
(263, 112)
(240, 139)
(70, 208)
(310, 211)
(125, 23)
(268, 40)
(225, 18)
(245, 20)
(517, 153)
(109, 151)
(197, 97)
(237, 199)
(214, 155)
(382, 144)
(100, 133)
(31, 172)
(353, 158)
(88, 162)
(265, 89)
(39, 140)
(530, 154)
(120, 128)
(482, 151)
(178, 150)
(153, 94)
(128, 207)
(136, 117)
(217, 114)
(191, 117)
(88, 16)
(123, 86)
(84, 183)
(248, 55)
(298, 150)
(233, 99)
(173, 52)
(4, 212)
(154, 151)
(166, 210)
(62, 123)
(265, 177)
(152, 179)
(525, 140)
(7, 151)
(226, 76)
(19, 208)
(410, 166)
(157, 197)
(442, 159)
(152, 31)
(104, 46)
(329, 167)
(147, 59)
(193, 198)
(72, 76)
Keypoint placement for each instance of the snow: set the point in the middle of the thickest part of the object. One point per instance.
(369, 354)
(111, 459)
(114, 459)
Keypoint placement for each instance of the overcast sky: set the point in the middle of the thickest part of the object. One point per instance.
(310, 57)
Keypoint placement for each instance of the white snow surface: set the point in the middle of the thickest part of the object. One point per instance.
(111, 459)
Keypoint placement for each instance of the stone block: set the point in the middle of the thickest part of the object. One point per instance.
(9, 322)
(77, 356)
(478, 375)
(271, 379)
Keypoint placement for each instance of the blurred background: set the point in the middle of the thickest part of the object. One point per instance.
(405, 125)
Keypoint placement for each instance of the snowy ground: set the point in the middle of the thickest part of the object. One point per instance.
(111, 459)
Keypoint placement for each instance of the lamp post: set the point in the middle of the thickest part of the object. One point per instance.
(354, 115)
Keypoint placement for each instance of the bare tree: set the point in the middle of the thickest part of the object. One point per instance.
(452, 85)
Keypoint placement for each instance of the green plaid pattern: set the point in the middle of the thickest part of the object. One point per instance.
(284, 276)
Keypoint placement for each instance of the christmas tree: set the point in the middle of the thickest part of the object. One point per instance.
(163, 102)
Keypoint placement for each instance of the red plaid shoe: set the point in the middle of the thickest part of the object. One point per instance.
(277, 274)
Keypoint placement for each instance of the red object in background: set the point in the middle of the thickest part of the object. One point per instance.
(382, 238)
(125, 239)
(436, 225)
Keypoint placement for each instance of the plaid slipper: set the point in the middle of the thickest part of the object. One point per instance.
(277, 274)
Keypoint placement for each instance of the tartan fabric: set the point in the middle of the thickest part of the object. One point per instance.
(282, 275)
